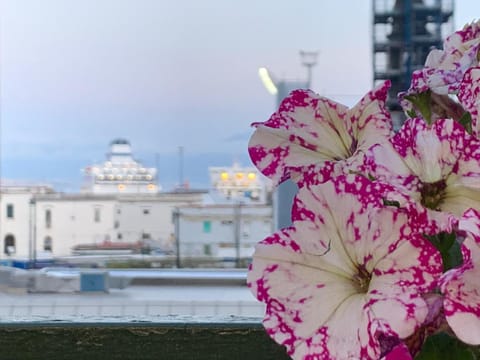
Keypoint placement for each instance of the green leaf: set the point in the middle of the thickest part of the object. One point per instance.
(411, 113)
(442, 346)
(448, 247)
(466, 122)
(422, 103)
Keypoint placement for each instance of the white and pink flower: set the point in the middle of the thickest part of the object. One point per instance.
(443, 73)
(469, 96)
(346, 280)
(437, 165)
(310, 130)
(461, 286)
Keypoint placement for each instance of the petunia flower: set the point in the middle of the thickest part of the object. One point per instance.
(312, 130)
(443, 73)
(437, 165)
(461, 286)
(469, 96)
(399, 352)
(346, 280)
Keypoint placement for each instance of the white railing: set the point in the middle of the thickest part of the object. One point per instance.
(147, 308)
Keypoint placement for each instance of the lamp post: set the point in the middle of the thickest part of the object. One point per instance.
(285, 192)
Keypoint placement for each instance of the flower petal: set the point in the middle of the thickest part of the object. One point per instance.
(469, 96)
(309, 129)
(308, 274)
(460, 287)
(424, 154)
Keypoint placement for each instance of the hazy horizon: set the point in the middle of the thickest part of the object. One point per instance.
(75, 75)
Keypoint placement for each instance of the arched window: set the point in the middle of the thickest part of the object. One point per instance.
(9, 245)
(47, 243)
(48, 218)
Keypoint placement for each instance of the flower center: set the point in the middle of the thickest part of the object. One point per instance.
(362, 279)
(353, 147)
(433, 194)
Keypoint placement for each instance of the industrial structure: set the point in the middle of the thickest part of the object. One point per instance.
(404, 32)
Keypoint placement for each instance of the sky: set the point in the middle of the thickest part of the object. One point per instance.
(75, 75)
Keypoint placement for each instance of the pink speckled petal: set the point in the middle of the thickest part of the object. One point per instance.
(309, 129)
(399, 352)
(461, 288)
(469, 96)
(421, 154)
(307, 274)
(445, 69)
(470, 224)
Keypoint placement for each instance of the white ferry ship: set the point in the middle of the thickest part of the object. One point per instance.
(120, 173)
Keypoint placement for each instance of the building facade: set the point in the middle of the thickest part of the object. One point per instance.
(16, 220)
(121, 210)
(36, 223)
(222, 232)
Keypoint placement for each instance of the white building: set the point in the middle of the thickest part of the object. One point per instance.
(239, 183)
(226, 232)
(120, 173)
(16, 219)
(65, 221)
(121, 208)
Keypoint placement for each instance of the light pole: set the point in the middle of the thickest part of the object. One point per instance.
(285, 192)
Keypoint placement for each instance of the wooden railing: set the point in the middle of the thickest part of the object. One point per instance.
(113, 338)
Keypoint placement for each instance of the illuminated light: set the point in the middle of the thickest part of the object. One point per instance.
(142, 170)
(239, 175)
(111, 177)
(267, 81)
(151, 187)
(129, 177)
(100, 177)
(251, 176)
(224, 176)
(121, 187)
(149, 177)
(119, 177)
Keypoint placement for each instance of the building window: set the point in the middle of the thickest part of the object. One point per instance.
(207, 226)
(48, 218)
(96, 215)
(146, 211)
(119, 236)
(9, 245)
(47, 243)
(10, 211)
(145, 236)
